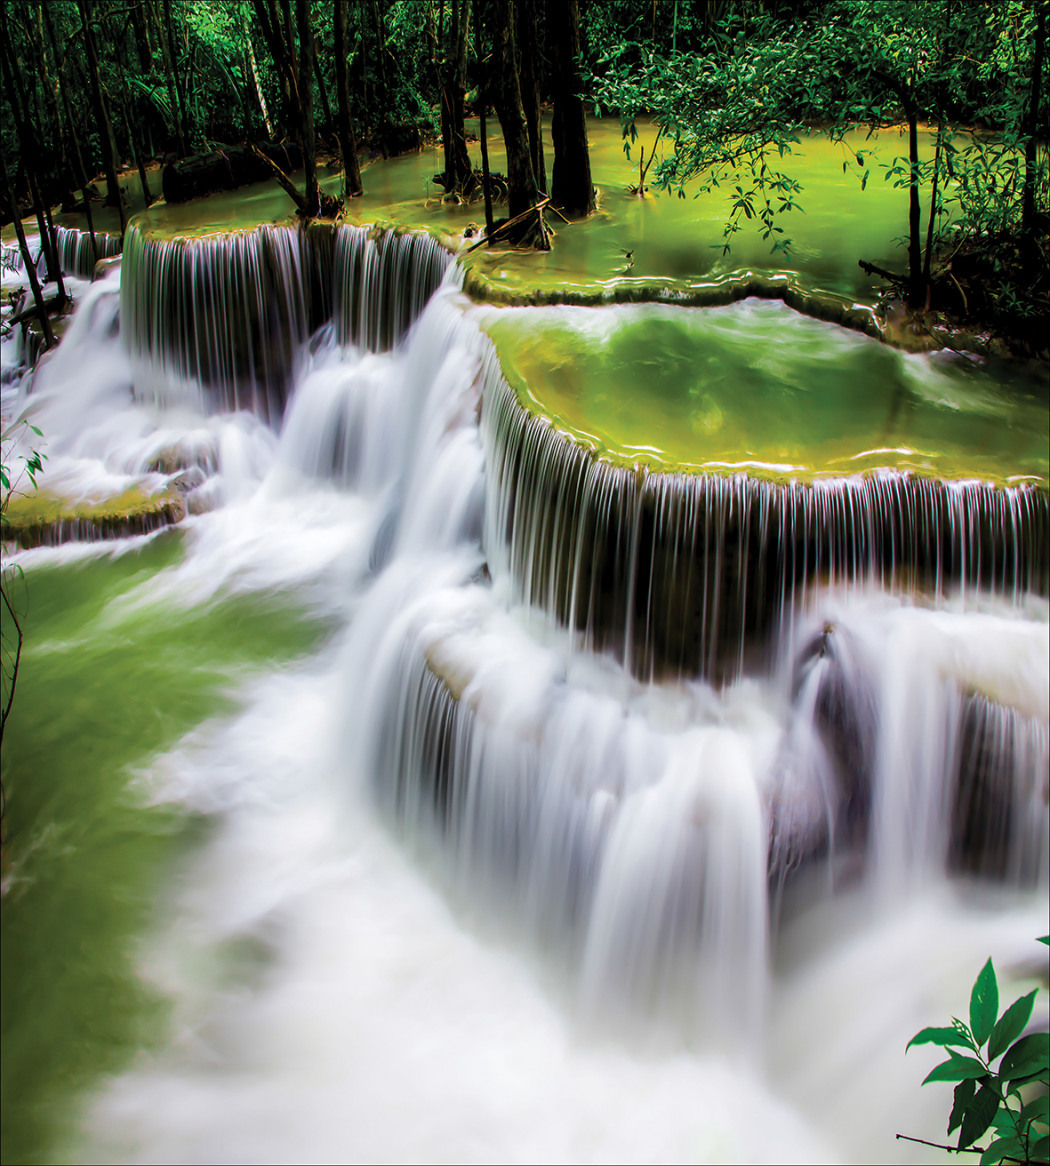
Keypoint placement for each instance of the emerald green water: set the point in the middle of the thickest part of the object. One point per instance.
(109, 678)
(675, 242)
(756, 386)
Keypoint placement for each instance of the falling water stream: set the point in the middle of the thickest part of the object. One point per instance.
(416, 851)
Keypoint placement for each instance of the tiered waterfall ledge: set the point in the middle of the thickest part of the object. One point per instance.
(674, 485)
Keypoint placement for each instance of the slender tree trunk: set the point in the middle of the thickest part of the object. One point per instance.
(521, 178)
(323, 90)
(916, 283)
(27, 258)
(173, 98)
(142, 45)
(928, 259)
(529, 73)
(29, 147)
(571, 185)
(1032, 125)
(51, 94)
(254, 68)
(352, 186)
(82, 176)
(105, 126)
(483, 88)
(306, 95)
(175, 94)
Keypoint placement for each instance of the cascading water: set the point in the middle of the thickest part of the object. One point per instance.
(79, 251)
(663, 842)
(679, 574)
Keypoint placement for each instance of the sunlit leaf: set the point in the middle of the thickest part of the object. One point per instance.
(1011, 1024)
(984, 1004)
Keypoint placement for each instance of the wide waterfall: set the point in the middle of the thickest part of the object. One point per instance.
(552, 807)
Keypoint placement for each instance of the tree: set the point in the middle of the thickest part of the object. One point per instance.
(735, 111)
(571, 186)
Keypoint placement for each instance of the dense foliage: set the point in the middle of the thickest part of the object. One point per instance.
(976, 74)
(732, 85)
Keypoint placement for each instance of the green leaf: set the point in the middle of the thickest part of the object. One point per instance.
(1037, 1110)
(1029, 1055)
(1002, 1148)
(984, 1004)
(939, 1036)
(1041, 1150)
(957, 1069)
(962, 1097)
(1011, 1024)
(1044, 939)
(979, 1115)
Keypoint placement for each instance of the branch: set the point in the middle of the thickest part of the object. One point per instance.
(953, 1149)
(505, 227)
(286, 184)
(872, 269)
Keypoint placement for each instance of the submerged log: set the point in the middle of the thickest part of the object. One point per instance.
(226, 169)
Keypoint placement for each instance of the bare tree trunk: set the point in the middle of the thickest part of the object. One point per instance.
(82, 177)
(29, 147)
(306, 96)
(50, 93)
(1032, 126)
(529, 72)
(483, 88)
(521, 178)
(27, 258)
(352, 186)
(253, 68)
(105, 126)
(571, 185)
(175, 94)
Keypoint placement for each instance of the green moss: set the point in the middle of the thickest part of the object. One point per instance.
(41, 516)
(108, 680)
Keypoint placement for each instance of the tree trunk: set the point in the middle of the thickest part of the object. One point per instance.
(51, 94)
(82, 176)
(105, 126)
(352, 186)
(521, 178)
(254, 69)
(916, 283)
(182, 125)
(1032, 126)
(142, 45)
(306, 97)
(572, 188)
(27, 258)
(529, 73)
(483, 91)
(29, 147)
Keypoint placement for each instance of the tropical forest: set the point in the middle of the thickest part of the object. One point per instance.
(525, 581)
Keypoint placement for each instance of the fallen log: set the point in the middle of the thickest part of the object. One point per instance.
(226, 169)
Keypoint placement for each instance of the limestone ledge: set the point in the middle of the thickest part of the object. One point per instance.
(43, 518)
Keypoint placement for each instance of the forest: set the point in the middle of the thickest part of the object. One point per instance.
(524, 580)
(218, 93)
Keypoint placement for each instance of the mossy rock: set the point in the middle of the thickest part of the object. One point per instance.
(46, 519)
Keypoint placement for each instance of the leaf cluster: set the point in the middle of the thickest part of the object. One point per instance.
(1010, 1100)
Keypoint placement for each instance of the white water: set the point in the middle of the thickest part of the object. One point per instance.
(351, 982)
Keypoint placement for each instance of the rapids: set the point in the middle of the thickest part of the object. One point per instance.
(443, 880)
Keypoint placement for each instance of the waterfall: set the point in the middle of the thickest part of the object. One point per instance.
(696, 574)
(77, 254)
(384, 278)
(632, 726)
(230, 312)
